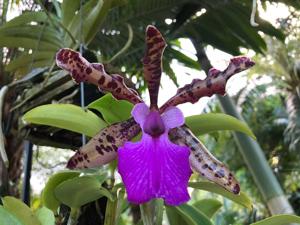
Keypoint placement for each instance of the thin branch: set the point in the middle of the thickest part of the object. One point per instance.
(3, 154)
(252, 18)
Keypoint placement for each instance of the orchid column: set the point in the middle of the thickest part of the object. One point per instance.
(252, 152)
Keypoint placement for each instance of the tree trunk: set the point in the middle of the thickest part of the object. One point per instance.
(253, 155)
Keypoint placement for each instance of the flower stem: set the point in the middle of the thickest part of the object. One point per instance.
(152, 212)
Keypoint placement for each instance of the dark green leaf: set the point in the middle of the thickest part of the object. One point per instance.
(26, 18)
(37, 32)
(27, 59)
(68, 9)
(27, 43)
(182, 58)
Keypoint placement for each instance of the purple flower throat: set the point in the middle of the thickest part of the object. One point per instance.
(154, 125)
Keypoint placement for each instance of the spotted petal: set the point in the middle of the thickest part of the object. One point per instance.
(203, 162)
(155, 168)
(214, 83)
(83, 71)
(102, 148)
(152, 62)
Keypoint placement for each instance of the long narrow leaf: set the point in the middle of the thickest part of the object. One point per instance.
(27, 43)
(191, 215)
(26, 18)
(241, 199)
(209, 122)
(279, 220)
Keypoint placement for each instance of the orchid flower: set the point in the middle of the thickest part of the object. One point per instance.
(161, 163)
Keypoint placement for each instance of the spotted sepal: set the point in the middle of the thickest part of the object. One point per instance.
(203, 162)
(152, 62)
(214, 83)
(102, 148)
(83, 71)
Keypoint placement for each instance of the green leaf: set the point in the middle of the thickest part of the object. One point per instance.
(27, 43)
(26, 18)
(182, 58)
(6, 218)
(69, 8)
(41, 63)
(27, 59)
(48, 197)
(112, 110)
(81, 190)
(45, 216)
(241, 198)
(279, 220)
(209, 122)
(37, 32)
(66, 116)
(208, 206)
(20, 210)
(95, 18)
(190, 215)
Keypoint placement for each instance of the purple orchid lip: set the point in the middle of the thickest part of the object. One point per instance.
(155, 167)
(154, 125)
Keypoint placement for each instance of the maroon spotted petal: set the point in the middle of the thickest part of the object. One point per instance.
(203, 162)
(102, 148)
(153, 62)
(83, 71)
(214, 83)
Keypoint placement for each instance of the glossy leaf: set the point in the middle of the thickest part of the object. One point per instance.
(279, 220)
(66, 116)
(241, 199)
(20, 210)
(48, 197)
(80, 190)
(209, 122)
(112, 110)
(208, 206)
(190, 215)
(6, 218)
(45, 216)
